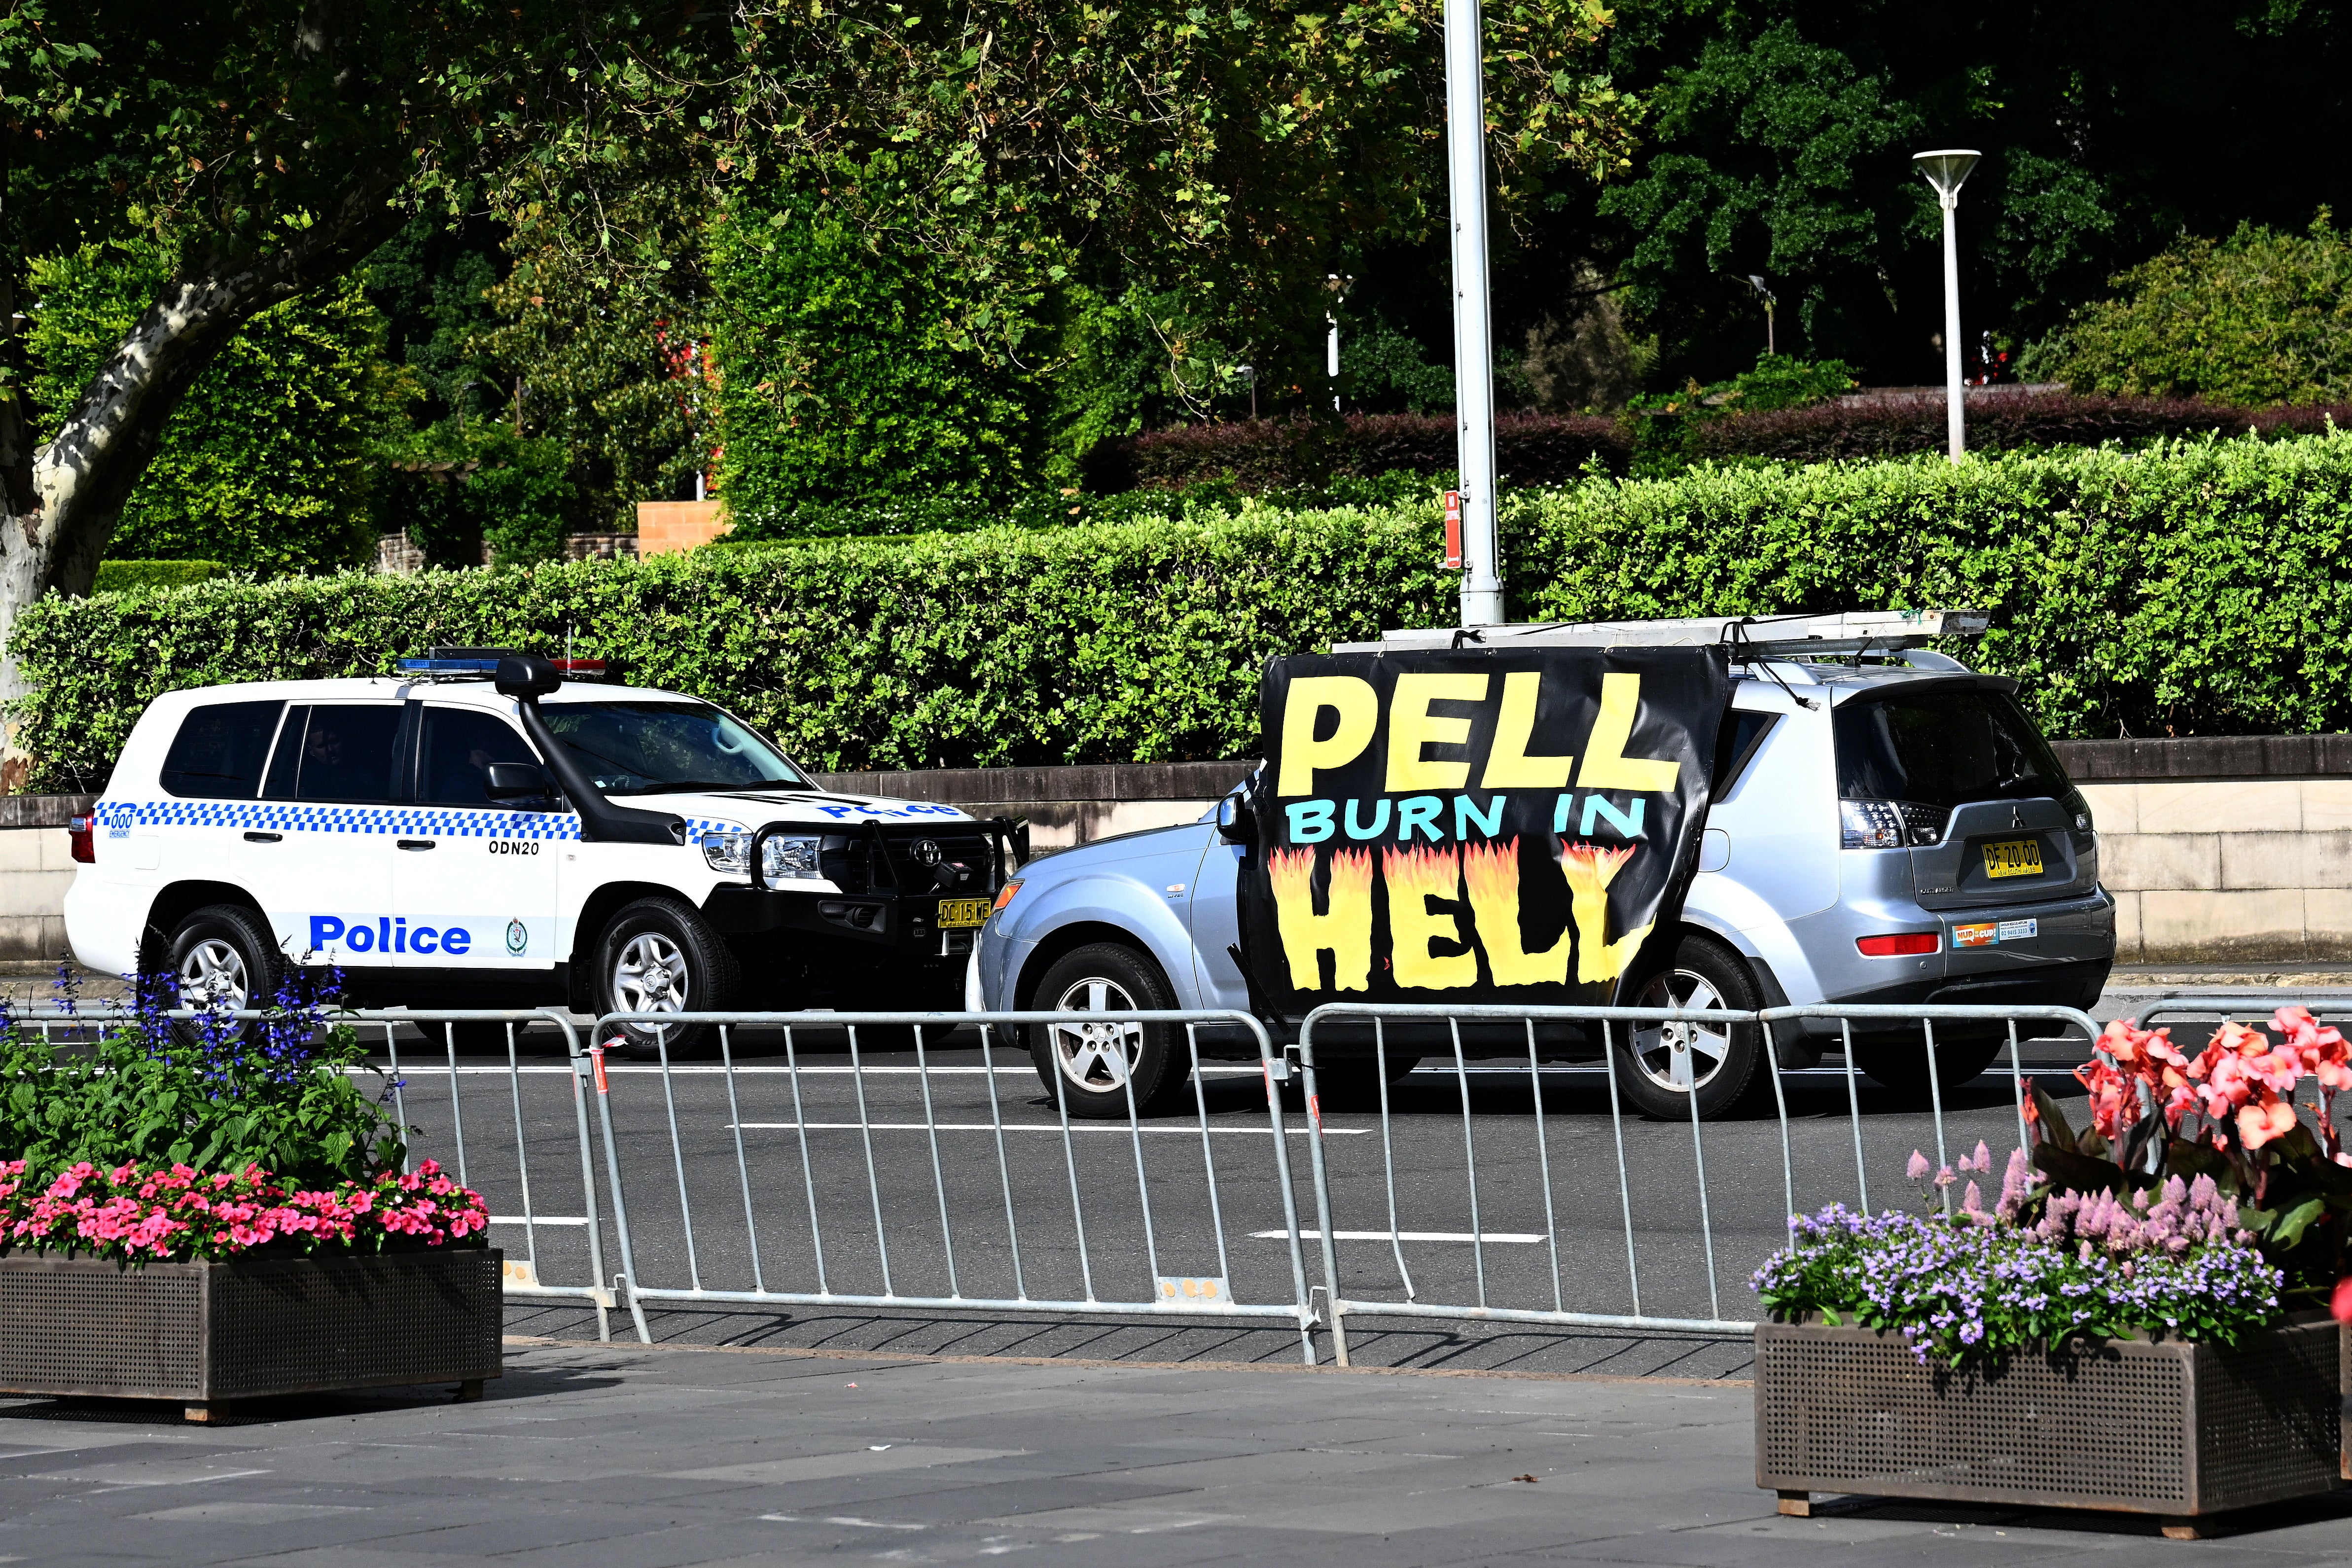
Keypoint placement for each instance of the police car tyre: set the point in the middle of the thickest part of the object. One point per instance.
(222, 956)
(1659, 1065)
(1902, 1065)
(1094, 1060)
(657, 956)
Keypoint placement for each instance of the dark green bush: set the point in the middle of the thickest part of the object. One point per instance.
(127, 576)
(2259, 317)
(266, 464)
(2193, 587)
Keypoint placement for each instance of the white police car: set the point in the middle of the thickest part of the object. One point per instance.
(483, 832)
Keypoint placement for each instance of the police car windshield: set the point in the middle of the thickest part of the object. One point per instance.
(651, 747)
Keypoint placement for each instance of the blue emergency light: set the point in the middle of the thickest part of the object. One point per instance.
(449, 666)
(477, 663)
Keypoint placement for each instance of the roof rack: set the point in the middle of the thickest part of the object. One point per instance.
(482, 663)
(1749, 637)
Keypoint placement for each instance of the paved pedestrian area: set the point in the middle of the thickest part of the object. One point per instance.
(626, 1457)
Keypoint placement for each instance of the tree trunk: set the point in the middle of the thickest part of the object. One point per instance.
(65, 496)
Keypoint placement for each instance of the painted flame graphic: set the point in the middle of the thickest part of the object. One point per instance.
(1589, 870)
(1346, 930)
(1414, 878)
(1491, 872)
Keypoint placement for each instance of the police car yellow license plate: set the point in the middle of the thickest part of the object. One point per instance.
(964, 912)
(2014, 857)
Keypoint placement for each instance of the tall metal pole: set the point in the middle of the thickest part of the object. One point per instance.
(1473, 351)
(1956, 429)
(1947, 169)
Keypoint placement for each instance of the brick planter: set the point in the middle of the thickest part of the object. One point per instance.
(207, 1333)
(2178, 1429)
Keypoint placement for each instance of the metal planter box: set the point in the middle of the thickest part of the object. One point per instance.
(2178, 1429)
(205, 1334)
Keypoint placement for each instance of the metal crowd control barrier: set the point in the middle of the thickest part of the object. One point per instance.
(505, 1183)
(1415, 1303)
(1034, 1270)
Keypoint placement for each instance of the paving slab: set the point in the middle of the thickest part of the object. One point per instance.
(674, 1454)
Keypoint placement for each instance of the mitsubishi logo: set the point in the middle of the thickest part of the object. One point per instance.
(2016, 819)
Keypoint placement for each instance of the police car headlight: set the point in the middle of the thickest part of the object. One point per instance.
(789, 859)
(729, 853)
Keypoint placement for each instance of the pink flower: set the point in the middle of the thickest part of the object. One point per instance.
(1918, 1168)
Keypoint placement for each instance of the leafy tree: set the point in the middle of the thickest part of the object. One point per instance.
(1224, 159)
(846, 374)
(616, 370)
(274, 473)
(1778, 139)
(2259, 317)
(269, 148)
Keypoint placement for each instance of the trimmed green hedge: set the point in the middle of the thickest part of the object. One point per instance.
(2196, 587)
(128, 576)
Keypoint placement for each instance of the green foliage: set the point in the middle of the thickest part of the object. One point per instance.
(615, 369)
(2258, 318)
(126, 1100)
(2193, 587)
(1386, 372)
(1664, 426)
(847, 375)
(1778, 135)
(1220, 158)
(129, 576)
(268, 468)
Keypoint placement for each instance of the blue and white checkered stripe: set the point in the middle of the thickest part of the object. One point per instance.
(280, 816)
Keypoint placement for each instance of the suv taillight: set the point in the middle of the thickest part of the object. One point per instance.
(78, 833)
(1869, 824)
(1889, 824)
(1908, 944)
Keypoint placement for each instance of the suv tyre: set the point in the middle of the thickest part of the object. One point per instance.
(221, 955)
(1090, 1066)
(657, 956)
(1660, 1066)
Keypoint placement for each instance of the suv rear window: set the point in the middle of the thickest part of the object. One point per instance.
(1944, 749)
(220, 749)
(337, 752)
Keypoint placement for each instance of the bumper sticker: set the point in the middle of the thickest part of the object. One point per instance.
(1992, 933)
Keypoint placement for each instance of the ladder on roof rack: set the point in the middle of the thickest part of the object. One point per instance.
(1748, 637)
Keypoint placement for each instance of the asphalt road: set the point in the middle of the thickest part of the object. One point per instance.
(1000, 1204)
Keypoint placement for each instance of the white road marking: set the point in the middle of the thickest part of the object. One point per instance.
(1514, 1237)
(1191, 1130)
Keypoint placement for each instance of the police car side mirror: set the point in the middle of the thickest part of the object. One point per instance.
(1233, 820)
(525, 676)
(517, 781)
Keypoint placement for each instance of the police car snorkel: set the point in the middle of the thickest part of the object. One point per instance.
(527, 678)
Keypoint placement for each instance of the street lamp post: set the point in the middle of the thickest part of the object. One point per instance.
(1946, 170)
(1473, 349)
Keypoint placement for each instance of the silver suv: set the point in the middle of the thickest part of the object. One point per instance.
(1887, 826)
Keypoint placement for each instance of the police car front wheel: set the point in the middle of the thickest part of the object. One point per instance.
(657, 956)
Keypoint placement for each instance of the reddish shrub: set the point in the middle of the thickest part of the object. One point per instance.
(1272, 453)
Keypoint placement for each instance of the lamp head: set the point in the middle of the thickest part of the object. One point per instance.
(1946, 170)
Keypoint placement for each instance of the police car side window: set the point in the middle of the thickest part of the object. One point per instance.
(219, 750)
(332, 752)
(456, 747)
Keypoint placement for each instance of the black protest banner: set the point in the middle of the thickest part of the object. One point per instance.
(1474, 826)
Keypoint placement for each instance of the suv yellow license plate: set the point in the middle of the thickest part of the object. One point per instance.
(974, 911)
(2014, 857)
